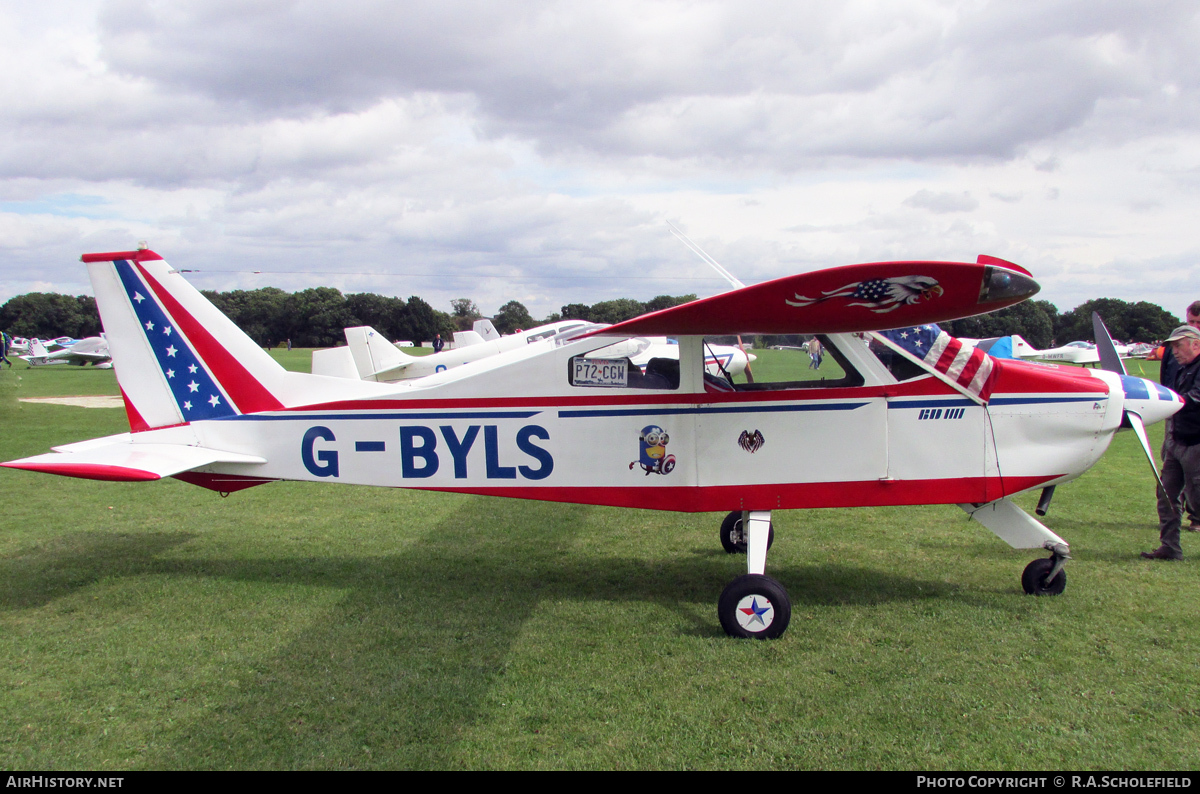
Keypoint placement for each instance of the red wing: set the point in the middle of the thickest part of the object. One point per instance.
(868, 297)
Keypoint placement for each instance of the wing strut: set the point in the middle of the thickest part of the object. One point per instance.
(715, 265)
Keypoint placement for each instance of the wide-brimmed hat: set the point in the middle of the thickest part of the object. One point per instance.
(1183, 332)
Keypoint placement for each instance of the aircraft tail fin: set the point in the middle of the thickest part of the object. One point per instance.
(1021, 348)
(177, 357)
(373, 353)
(486, 330)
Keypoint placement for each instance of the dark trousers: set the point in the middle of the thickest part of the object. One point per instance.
(1180, 475)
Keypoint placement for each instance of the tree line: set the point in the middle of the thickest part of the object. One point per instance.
(1042, 325)
(315, 317)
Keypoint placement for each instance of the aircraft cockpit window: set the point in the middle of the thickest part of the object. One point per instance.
(901, 367)
(629, 364)
(762, 363)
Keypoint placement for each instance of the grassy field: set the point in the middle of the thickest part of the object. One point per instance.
(300, 626)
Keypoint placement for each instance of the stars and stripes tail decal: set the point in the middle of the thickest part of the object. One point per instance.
(966, 365)
(193, 387)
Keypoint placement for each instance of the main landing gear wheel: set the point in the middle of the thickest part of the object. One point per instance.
(733, 537)
(1034, 579)
(754, 606)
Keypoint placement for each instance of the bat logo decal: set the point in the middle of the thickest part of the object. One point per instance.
(751, 442)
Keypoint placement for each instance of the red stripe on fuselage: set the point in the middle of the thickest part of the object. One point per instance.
(918, 388)
(247, 394)
(783, 496)
(1043, 383)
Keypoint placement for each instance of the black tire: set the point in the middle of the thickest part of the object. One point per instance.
(733, 540)
(1033, 580)
(754, 607)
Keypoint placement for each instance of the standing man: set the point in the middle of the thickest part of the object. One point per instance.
(1166, 376)
(5, 341)
(438, 344)
(1166, 372)
(1181, 445)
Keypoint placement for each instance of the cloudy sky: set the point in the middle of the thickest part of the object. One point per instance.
(536, 150)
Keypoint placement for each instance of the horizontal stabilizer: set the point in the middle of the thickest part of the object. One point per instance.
(124, 461)
(855, 298)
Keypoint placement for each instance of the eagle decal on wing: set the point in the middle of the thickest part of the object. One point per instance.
(880, 295)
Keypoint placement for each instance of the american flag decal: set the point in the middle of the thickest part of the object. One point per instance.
(880, 295)
(191, 384)
(966, 365)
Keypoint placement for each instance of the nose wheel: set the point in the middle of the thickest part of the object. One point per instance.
(733, 534)
(754, 605)
(1044, 577)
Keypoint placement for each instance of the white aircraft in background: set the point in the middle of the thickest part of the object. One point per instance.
(369, 356)
(1074, 353)
(90, 350)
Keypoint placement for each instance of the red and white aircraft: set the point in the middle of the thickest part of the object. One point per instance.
(917, 418)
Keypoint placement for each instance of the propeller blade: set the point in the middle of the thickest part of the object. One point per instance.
(1109, 359)
(1139, 429)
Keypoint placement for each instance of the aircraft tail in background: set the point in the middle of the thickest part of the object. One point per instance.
(373, 353)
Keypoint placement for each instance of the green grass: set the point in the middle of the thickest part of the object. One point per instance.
(304, 626)
(775, 366)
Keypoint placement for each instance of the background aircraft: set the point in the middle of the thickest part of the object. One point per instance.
(917, 418)
(369, 356)
(1015, 346)
(90, 350)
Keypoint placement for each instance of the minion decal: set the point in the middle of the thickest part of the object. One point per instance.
(653, 456)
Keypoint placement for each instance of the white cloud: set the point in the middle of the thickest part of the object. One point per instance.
(498, 150)
(942, 202)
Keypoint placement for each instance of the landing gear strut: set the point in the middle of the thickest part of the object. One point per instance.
(753, 605)
(733, 534)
